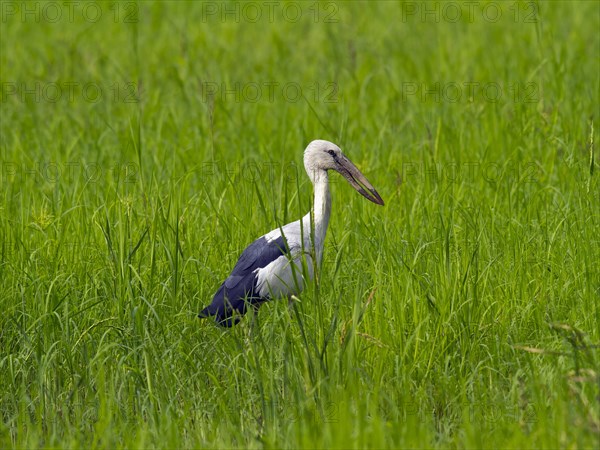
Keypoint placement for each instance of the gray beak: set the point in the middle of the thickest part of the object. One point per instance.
(357, 180)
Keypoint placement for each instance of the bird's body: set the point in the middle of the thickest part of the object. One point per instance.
(274, 265)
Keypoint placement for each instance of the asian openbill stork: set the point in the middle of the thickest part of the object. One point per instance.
(271, 266)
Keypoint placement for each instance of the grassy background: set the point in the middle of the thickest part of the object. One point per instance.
(139, 158)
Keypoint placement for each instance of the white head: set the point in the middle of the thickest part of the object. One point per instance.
(321, 156)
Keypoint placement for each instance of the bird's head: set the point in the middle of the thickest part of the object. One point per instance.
(321, 156)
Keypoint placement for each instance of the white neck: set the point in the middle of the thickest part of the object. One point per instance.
(321, 211)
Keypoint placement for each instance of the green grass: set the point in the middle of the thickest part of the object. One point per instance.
(464, 313)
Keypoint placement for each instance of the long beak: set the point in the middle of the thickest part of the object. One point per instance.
(358, 180)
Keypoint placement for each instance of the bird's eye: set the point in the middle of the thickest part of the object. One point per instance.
(331, 152)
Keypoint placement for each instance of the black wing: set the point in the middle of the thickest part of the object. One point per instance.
(239, 289)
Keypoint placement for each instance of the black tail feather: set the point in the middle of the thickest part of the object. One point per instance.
(227, 318)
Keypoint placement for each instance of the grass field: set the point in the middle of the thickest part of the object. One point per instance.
(145, 144)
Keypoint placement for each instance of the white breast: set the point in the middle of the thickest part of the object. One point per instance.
(285, 276)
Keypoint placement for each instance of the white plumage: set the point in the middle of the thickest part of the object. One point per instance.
(271, 266)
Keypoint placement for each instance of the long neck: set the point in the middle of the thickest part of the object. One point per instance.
(321, 211)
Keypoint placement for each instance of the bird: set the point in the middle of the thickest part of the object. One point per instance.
(272, 266)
